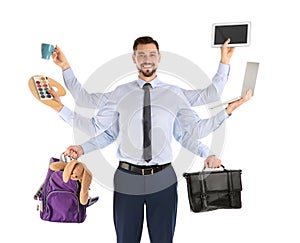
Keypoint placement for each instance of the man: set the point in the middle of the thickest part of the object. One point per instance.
(157, 188)
(195, 98)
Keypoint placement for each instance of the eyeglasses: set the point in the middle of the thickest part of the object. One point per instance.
(151, 55)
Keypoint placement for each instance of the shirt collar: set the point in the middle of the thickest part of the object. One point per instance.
(153, 83)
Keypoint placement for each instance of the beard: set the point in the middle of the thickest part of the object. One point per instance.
(148, 72)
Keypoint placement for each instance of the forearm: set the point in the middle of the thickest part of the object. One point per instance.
(189, 122)
(192, 144)
(84, 124)
(220, 79)
(209, 125)
(81, 96)
(100, 141)
(212, 92)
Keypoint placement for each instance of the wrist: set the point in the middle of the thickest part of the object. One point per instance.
(58, 107)
(228, 111)
(65, 66)
(81, 149)
(224, 61)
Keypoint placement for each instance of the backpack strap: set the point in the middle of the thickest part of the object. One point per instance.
(92, 200)
(38, 193)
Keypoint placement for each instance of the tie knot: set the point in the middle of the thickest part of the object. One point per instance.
(146, 86)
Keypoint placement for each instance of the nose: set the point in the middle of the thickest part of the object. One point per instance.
(146, 58)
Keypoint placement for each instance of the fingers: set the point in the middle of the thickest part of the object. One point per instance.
(227, 42)
(248, 95)
(74, 151)
(71, 151)
(54, 94)
(56, 54)
(212, 162)
(57, 49)
(225, 45)
(231, 50)
(60, 59)
(233, 105)
(226, 52)
(72, 154)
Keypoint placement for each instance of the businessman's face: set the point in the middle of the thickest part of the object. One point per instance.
(146, 57)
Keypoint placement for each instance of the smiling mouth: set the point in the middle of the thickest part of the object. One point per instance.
(147, 66)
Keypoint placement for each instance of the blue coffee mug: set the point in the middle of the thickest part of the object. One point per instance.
(47, 50)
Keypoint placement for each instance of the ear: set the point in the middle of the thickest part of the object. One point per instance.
(159, 57)
(133, 58)
(68, 170)
(57, 166)
(77, 172)
(85, 185)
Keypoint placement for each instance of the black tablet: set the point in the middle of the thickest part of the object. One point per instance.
(239, 34)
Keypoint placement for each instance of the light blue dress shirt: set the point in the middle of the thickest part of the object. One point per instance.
(179, 115)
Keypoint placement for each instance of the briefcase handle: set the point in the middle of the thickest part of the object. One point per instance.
(214, 169)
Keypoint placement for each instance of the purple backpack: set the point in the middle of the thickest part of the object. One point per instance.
(59, 201)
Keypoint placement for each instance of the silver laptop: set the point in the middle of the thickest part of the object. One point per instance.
(249, 82)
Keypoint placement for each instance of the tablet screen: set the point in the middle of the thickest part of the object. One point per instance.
(239, 34)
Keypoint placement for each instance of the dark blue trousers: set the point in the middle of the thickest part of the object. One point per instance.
(158, 193)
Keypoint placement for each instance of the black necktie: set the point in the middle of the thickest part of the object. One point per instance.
(147, 153)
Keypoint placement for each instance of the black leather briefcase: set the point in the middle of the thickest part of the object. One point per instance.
(211, 190)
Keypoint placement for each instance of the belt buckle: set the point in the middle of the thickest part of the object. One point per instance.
(151, 171)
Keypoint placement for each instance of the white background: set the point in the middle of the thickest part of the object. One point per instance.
(261, 137)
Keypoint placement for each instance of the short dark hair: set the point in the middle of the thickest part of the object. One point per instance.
(144, 40)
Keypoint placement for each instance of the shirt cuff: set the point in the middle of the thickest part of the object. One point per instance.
(204, 151)
(66, 114)
(223, 69)
(221, 116)
(68, 74)
(87, 147)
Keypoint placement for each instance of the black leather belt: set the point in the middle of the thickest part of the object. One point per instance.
(142, 170)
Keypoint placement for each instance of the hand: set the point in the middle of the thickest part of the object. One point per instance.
(56, 98)
(74, 151)
(226, 52)
(233, 105)
(212, 162)
(60, 59)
